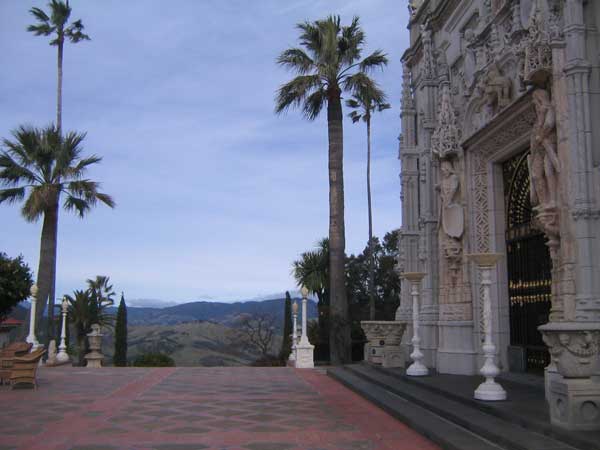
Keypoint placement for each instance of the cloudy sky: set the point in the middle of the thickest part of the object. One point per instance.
(216, 195)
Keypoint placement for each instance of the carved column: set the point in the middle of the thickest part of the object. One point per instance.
(428, 201)
(408, 236)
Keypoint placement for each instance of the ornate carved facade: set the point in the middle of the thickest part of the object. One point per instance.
(486, 82)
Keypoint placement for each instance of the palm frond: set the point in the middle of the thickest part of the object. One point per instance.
(13, 173)
(293, 93)
(42, 29)
(40, 199)
(106, 199)
(375, 60)
(351, 41)
(59, 13)
(12, 195)
(39, 14)
(310, 37)
(355, 116)
(297, 60)
(314, 104)
(75, 32)
(78, 205)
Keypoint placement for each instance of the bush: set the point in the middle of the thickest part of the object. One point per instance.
(154, 360)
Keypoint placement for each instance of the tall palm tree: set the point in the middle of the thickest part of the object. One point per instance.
(329, 64)
(38, 166)
(57, 26)
(364, 102)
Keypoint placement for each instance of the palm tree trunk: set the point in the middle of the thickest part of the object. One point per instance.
(47, 266)
(371, 256)
(59, 87)
(339, 331)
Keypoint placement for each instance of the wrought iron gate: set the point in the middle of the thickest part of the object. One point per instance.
(529, 267)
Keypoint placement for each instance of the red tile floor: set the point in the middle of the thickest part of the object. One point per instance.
(185, 408)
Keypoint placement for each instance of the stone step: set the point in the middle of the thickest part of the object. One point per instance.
(526, 406)
(480, 425)
(435, 428)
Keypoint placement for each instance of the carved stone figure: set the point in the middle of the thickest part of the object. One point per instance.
(428, 64)
(543, 160)
(470, 57)
(451, 211)
(497, 88)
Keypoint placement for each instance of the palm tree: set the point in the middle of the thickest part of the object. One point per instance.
(364, 102)
(331, 64)
(57, 25)
(39, 166)
(312, 271)
(83, 311)
(101, 290)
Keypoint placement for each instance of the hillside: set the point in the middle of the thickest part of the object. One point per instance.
(222, 313)
(190, 344)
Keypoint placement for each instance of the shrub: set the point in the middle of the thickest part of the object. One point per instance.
(154, 360)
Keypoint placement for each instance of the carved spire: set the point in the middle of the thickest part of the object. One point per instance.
(445, 138)
(537, 66)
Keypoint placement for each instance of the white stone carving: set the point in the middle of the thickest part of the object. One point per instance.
(446, 137)
(63, 356)
(31, 337)
(537, 63)
(94, 357)
(489, 390)
(383, 342)
(417, 368)
(304, 349)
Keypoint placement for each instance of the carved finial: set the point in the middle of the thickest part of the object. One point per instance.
(428, 61)
(407, 98)
(537, 67)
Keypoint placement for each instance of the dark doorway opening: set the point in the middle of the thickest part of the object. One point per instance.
(529, 271)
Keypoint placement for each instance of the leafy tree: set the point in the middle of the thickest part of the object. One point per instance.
(329, 64)
(56, 25)
(15, 283)
(120, 356)
(84, 311)
(286, 345)
(369, 99)
(38, 166)
(312, 271)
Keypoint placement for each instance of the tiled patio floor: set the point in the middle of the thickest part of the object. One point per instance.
(238, 408)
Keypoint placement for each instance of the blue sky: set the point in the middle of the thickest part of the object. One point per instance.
(216, 195)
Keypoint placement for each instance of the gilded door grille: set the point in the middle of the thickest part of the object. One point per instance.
(529, 266)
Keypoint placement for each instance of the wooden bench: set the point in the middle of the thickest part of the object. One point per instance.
(25, 368)
(7, 354)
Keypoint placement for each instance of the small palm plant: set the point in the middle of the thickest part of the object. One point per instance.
(364, 102)
(83, 312)
(38, 167)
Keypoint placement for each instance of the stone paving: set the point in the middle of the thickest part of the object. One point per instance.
(184, 408)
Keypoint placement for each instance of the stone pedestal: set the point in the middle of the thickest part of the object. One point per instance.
(305, 356)
(383, 346)
(573, 393)
(94, 357)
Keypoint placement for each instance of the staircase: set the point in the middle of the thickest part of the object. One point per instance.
(441, 408)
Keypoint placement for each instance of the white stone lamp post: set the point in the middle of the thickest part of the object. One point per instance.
(62, 356)
(304, 350)
(417, 368)
(294, 331)
(31, 338)
(488, 390)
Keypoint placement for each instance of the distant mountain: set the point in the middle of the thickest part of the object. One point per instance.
(223, 313)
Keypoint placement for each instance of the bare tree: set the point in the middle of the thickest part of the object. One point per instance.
(259, 331)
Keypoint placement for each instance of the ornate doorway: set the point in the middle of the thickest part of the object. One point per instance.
(529, 271)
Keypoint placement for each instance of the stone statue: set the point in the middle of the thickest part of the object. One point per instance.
(543, 159)
(452, 220)
(51, 361)
(470, 65)
(497, 88)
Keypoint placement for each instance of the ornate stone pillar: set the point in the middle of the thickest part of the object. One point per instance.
(304, 349)
(31, 337)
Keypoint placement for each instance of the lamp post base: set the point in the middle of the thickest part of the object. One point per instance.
(417, 369)
(490, 391)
